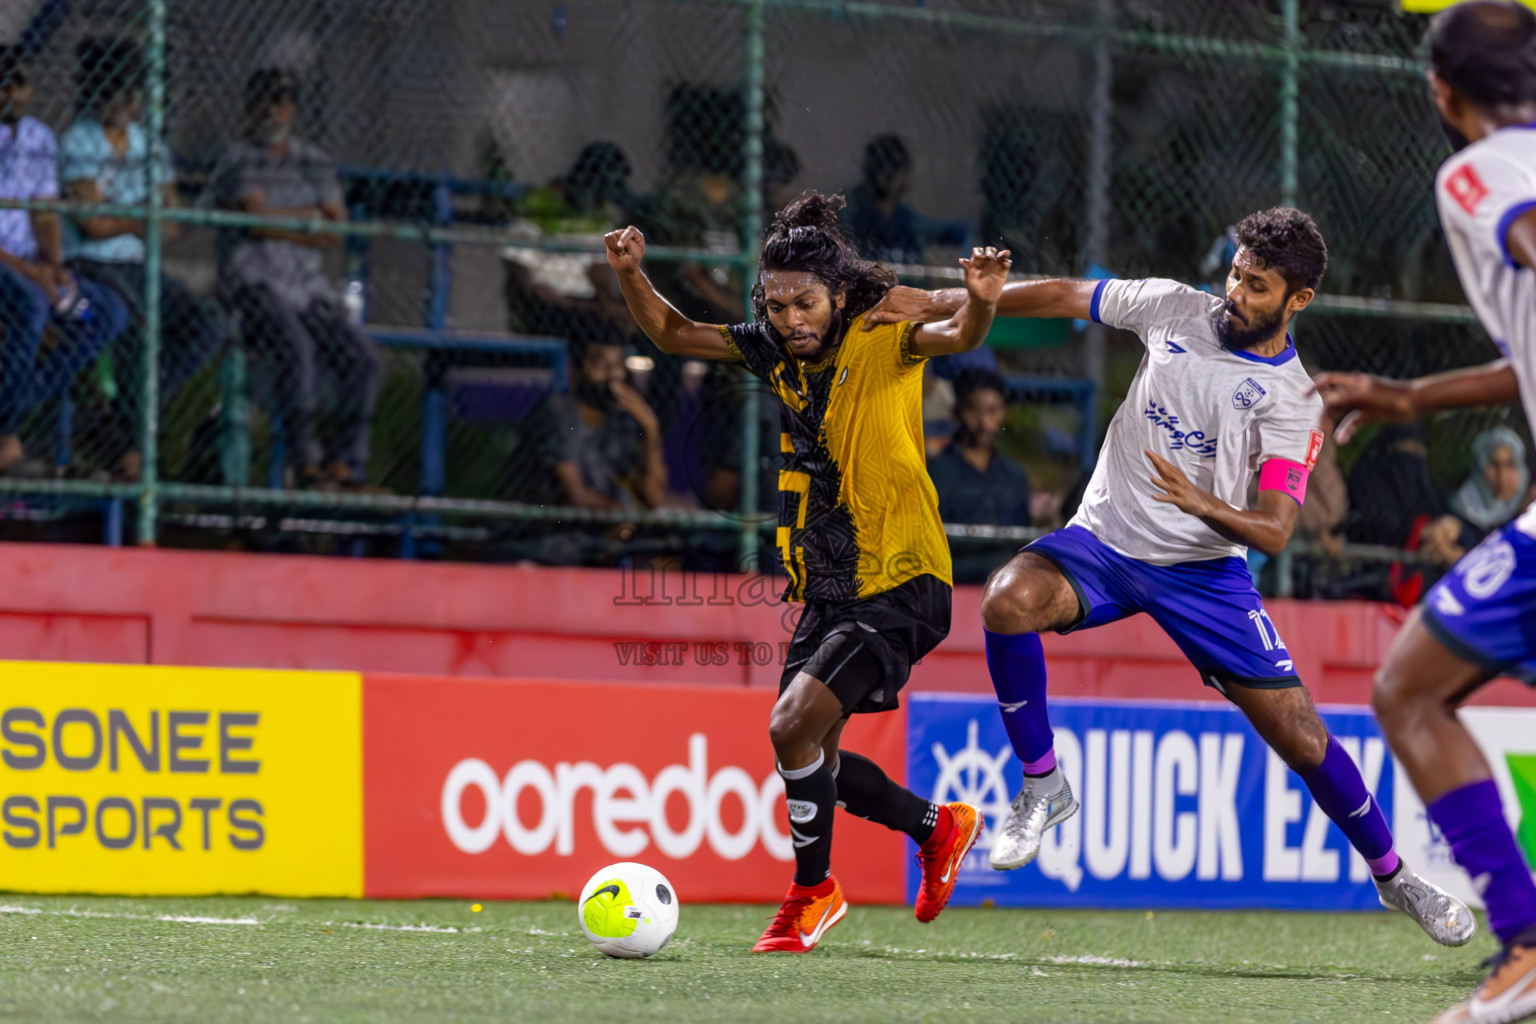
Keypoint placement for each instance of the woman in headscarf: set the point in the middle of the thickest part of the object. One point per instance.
(1496, 490)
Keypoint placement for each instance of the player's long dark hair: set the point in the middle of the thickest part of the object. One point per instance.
(805, 237)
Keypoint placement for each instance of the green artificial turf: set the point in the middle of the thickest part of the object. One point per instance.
(94, 958)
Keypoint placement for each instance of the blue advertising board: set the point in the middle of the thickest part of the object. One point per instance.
(1182, 805)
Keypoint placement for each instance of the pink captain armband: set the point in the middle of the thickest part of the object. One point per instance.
(1284, 475)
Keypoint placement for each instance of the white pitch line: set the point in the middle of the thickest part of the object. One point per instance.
(197, 919)
(1097, 961)
(167, 918)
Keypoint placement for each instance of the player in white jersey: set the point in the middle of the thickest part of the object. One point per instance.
(1479, 621)
(1163, 528)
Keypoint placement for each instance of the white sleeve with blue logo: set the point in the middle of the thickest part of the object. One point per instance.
(1141, 306)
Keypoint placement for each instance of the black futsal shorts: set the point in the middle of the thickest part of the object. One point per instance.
(864, 650)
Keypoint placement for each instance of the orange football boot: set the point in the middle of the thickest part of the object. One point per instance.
(940, 858)
(807, 913)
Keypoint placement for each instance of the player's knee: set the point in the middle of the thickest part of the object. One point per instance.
(792, 741)
(1013, 602)
(1391, 696)
(1309, 748)
(1302, 746)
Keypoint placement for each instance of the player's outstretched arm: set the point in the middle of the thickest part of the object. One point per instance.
(662, 323)
(1352, 400)
(985, 274)
(1054, 298)
(1267, 528)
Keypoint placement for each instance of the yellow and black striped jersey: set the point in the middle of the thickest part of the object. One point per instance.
(858, 515)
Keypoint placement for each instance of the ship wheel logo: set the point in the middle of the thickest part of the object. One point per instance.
(974, 776)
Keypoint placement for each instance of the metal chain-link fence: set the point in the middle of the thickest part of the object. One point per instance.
(327, 275)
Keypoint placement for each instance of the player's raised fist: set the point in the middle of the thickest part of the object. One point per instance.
(986, 272)
(626, 248)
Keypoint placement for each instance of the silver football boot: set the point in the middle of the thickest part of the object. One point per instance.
(1443, 917)
(1042, 803)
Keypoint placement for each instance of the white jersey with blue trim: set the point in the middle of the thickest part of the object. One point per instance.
(1481, 191)
(1215, 413)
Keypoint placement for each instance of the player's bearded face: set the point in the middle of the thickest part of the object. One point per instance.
(1241, 330)
(1255, 308)
(804, 312)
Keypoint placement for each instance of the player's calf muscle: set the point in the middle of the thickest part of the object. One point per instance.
(1288, 722)
(1028, 595)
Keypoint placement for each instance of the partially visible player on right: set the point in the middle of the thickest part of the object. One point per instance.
(1480, 620)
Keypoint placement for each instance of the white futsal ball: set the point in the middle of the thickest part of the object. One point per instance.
(628, 910)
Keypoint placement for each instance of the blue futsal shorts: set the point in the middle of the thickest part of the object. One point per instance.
(1209, 608)
(1484, 609)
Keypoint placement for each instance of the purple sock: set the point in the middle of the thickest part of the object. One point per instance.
(1472, 820)
(1339, 790)
(1017, 664)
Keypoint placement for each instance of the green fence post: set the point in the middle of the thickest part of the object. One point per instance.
(1096, 252)
(149, 444)
(751, 227)
(1290, 97)
(1290, 114)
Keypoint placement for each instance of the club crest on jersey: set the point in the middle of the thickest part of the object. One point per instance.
(1247, 394)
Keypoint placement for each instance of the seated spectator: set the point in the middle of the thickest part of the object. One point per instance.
(276, 281)
(1393, 502)
(591, 197)
(700, 201)
(700, 208)
(558, 293)
(102, 158)
(36, 291)
(602, 443)
(1495, 492)
(881, 226)
(576, 296)
(976, 482)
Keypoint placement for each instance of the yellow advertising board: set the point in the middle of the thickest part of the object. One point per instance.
(180, 781)
(1431, 6)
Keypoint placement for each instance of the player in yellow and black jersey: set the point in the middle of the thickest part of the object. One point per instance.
(859, 529)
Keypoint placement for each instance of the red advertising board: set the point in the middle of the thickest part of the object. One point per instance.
(520, 789)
